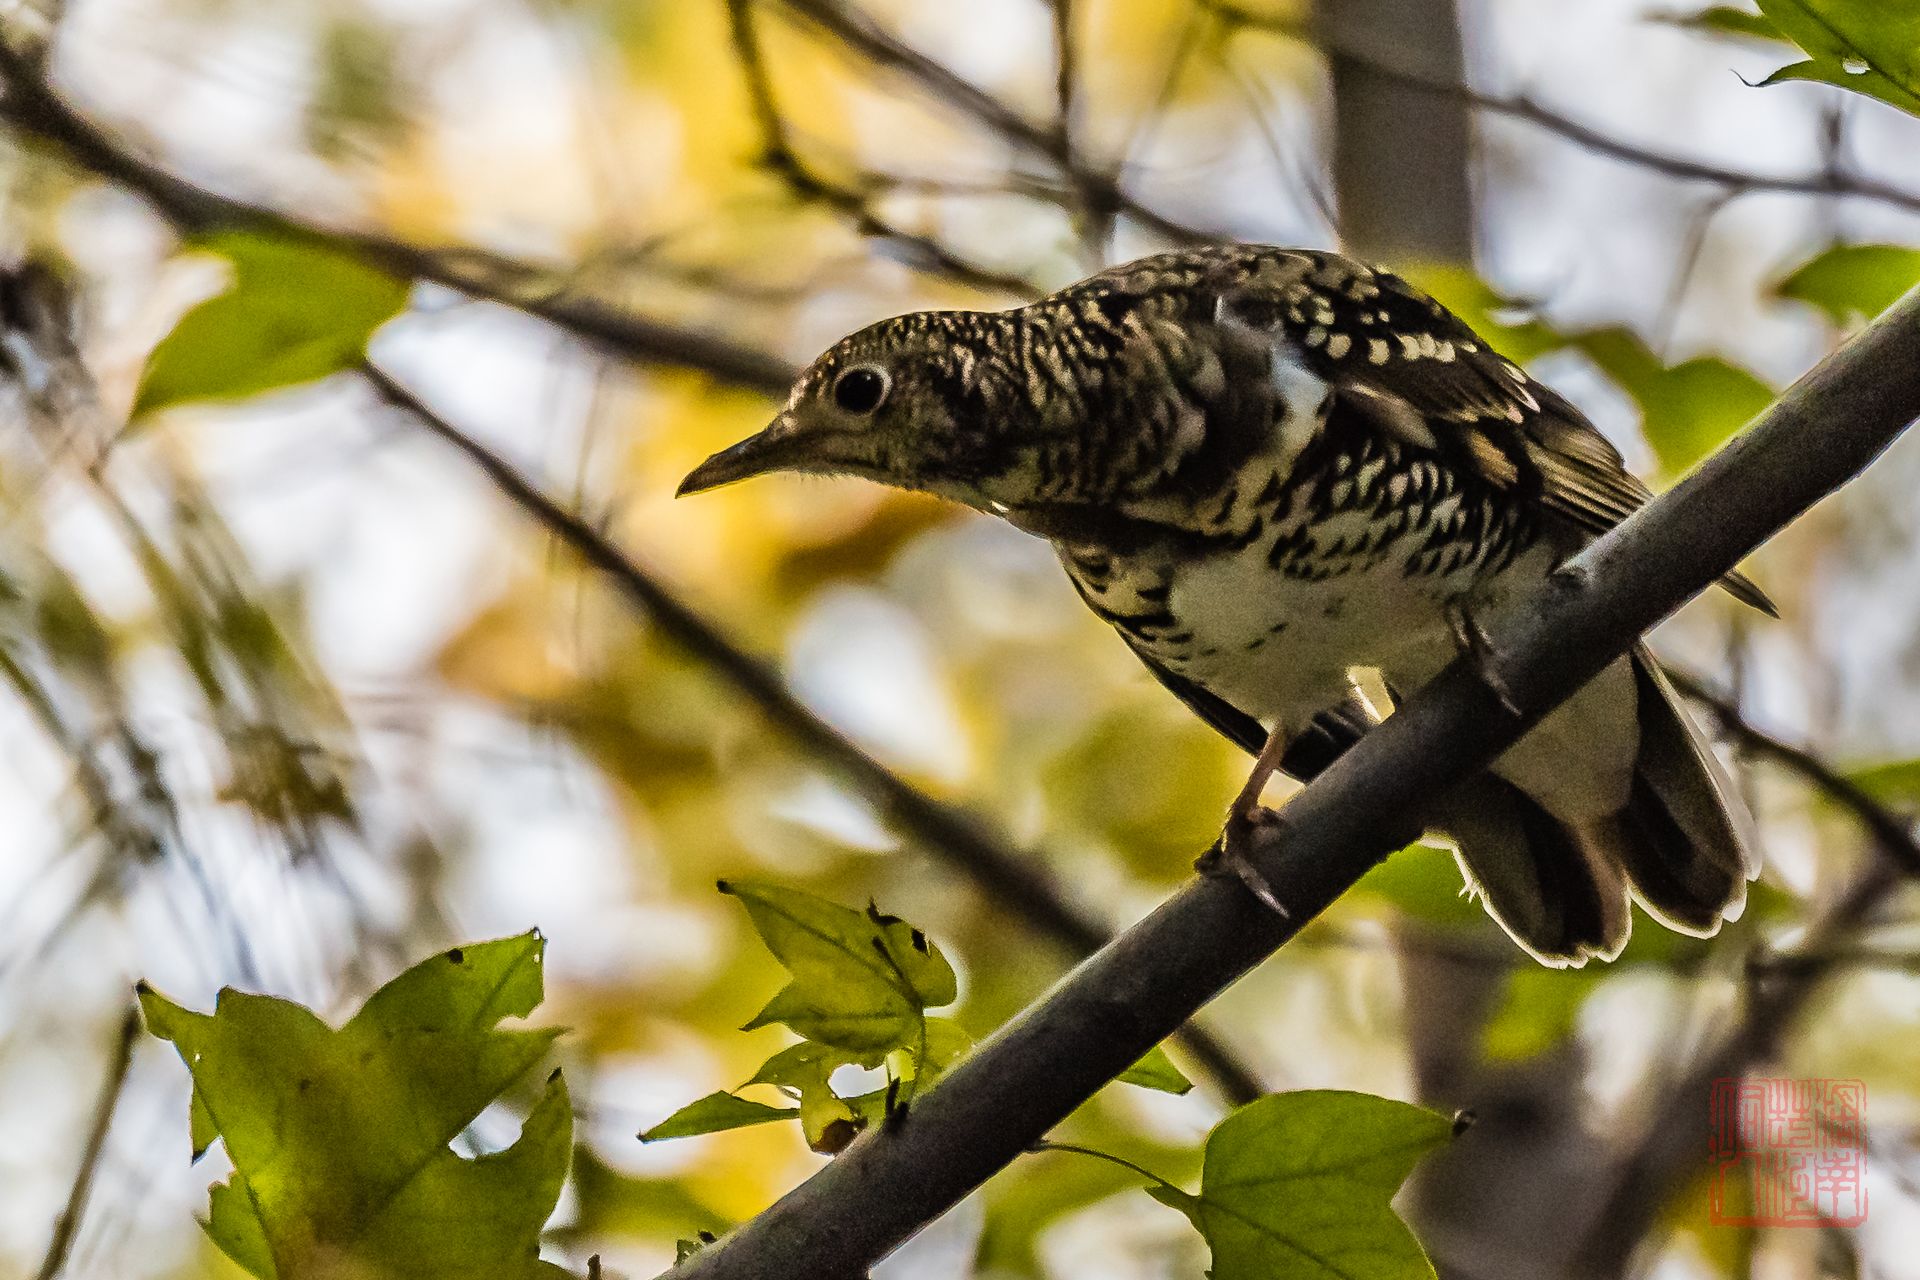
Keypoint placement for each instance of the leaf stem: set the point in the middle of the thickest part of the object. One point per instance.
(1048, 1145)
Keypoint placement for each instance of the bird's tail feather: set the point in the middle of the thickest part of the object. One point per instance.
(1556, 892)
(1680, 846)
(1686, 840)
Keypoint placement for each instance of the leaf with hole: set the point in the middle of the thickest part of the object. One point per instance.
(339, 1138)
(862, 980)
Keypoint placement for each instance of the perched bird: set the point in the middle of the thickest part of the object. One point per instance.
(1269, 469)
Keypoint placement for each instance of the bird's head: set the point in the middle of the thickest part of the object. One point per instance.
(923, 401)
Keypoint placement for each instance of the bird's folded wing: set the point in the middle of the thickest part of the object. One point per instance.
(1404, 362)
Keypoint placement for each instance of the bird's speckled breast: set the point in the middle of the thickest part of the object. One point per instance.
(1351, 564)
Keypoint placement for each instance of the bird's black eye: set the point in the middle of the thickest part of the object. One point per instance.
(860, 390)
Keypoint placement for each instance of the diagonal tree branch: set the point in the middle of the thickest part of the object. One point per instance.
(1109, 1011)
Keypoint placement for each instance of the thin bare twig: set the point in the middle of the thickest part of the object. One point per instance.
(860, 34)
(807, 183)
(67, 1225)
(1891, 833)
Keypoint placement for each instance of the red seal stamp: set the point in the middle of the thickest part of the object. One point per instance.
(1788, 1153)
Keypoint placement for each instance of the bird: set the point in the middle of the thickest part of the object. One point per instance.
(1274, 471)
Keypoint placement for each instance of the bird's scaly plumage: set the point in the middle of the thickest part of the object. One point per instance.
(1269, 468)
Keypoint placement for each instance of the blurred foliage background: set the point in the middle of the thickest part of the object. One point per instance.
(294, 696)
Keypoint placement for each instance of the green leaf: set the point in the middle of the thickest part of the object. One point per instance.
(1724, 19)
(1895, 782)
(862, 981)
(201, 1129)
(1538, 1009)
(1868, 46)
(714, 1113)
(1424, 882)
(1297, 1186)
(338, 1138)
(296, 311)
(234, 1224)
(1688, 410)
(804, 1070)
(1156, 1071)
(1854, 282)
(1505, 323)
(946, 1043)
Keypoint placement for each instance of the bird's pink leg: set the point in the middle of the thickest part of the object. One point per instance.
(1231, 856)
(1471, 639)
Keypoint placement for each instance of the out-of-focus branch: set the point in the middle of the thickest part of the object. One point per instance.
(67, 1225)
(1829, 181)
(780, 157)
(1014, 882)
(1892, 833)
(1032, 1074)
(1781, 986)
(31, 106)
(1673, 1147)
(863, 36)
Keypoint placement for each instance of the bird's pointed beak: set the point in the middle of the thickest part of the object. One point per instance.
(781, 445)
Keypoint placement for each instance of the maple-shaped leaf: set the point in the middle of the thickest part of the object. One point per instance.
(1297, 1186)
(862, 980)
(339, 1138)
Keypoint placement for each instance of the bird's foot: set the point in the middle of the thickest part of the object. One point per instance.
(1231, 856)
(1473, 642)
